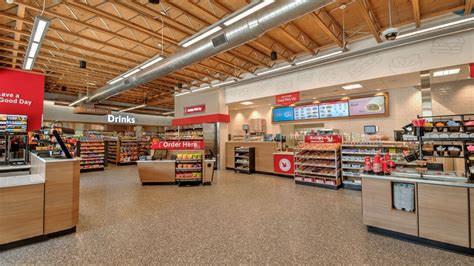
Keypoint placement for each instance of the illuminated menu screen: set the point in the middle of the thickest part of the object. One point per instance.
(306, 112)
(367, 106)
(334, 109)
(282, 114)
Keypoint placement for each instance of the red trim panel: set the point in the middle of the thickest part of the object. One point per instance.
(201, 119)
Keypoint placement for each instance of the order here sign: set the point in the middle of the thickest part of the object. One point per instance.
(178, 145)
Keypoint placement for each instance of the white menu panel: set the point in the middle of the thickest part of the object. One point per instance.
(334, 109)
(306, 112)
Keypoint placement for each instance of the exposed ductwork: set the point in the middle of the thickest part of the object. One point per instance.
(233, 36)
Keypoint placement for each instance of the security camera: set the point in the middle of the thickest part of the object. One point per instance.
(390, 34)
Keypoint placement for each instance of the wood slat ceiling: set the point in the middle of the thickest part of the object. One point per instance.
(114, 36)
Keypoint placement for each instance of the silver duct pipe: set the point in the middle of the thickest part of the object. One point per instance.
(280, 12)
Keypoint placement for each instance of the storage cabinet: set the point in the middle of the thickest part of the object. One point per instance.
(378, 209)
(444, 213)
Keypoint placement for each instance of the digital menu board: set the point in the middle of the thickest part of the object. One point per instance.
(283, 114)
(367, 106)
(306, 112)
(334, 109)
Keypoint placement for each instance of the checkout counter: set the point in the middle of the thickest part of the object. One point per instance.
(434, 209)
(267, 156)
(41, 204)
(172, 169)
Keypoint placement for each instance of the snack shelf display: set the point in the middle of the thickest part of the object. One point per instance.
(354, 153)
(144, 147)
(449, 136)
(192, 132)
(128, 150)
(92, 153)
(189, 168)
(13, 123)
(244, 161)
(318, 164)
(112, 151)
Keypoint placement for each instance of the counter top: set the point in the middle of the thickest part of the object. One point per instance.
(21, 180)
(426, 179)
(284, 152)
(55, 160)
(156, 161)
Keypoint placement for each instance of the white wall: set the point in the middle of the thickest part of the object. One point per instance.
(453, 97)
(241, 117)
(444, 51)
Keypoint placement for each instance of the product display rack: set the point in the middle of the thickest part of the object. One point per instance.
(112, 151)
(441, 140)
(244, 161)
(188, 168)
(128, 151)
(353, 154)
(192, 132)
(144, 147)
(318, 164)
(92, 153)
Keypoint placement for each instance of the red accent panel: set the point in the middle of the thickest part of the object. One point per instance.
(287, 98)
(201, 119)
(22, 93)
(195, 109)
(284, 164)
(323, 139)
(178, 145)
(471, 70)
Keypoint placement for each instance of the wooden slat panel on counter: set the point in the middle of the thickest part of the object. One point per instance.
(22, 212)
(444, 213)
(263, 154)
(156, 171)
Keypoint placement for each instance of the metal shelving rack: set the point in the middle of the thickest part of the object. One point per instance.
(244, 161)
(312, 162)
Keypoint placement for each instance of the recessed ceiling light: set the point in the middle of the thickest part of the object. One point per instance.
(352, 86)
(246, 103)
(378, 89)
(446, 72)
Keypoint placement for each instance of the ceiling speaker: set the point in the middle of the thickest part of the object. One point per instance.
(273, 55)
(82, 64)
(155, 2)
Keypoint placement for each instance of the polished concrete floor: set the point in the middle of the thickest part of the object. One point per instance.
(240, 219)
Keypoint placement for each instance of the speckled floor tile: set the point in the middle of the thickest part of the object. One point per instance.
(240, 219)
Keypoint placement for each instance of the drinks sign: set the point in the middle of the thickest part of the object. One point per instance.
(323, 138)
(288, 98)
(178, 145)
(195, 109)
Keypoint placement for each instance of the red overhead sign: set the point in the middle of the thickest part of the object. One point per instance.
(178, 145)
(195, 109)
(288, 98)
(323, 139)
(22, 93)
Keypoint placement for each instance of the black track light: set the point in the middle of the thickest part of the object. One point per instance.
(180, 85)
(155, 2)
(82, 64)
(273, 55)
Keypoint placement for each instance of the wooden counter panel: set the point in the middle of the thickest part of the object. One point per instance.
(471, 198)
(157, 172)
(21, 212)
(263, 154)
(444, 214)
(61, 196)
(378, 211)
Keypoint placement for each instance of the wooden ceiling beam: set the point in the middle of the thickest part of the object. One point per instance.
(370, 19)
(257, 45)
(215, 69)
(19, 27)
(333, 30)
(295, 41)
(225, 62)
(119, 20)
(416, 12)
(468, 9)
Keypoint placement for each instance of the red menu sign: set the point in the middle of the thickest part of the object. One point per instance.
(22, 93)
(178, 145)
(195, 109)
(288, 98)
(323, 139)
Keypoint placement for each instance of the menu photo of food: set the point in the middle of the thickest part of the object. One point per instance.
(333, 109)
(306, 112)
(367, 106)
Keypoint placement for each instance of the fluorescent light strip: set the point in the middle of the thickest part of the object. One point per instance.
(246, 103)
(318, 58)
(435, 27)
(352, 86)
(201, 36)
(446, 72)
(131, 73)
(29, 64)
(273, 70)
(201, 89)
(248, 12)
(158, 59)
(33, 49)
(115, 80)
(182, 93)
(225, 83)
(167, 113)
(78, 101)
(40, 30)
(132, 108)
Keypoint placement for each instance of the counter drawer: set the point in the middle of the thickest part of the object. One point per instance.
(443, 213)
